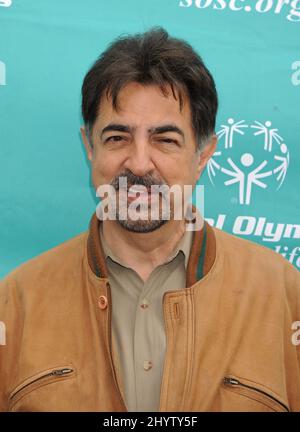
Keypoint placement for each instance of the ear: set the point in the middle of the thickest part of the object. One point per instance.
(87, 145)
(205, 154)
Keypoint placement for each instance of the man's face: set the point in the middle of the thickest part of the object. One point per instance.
(149, 141)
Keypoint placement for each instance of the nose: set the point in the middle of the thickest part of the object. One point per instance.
(139, 160)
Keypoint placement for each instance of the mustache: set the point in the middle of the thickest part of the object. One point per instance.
(148, 180)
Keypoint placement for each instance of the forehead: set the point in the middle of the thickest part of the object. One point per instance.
(146, 104)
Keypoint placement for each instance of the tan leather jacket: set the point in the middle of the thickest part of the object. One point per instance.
(229, 334)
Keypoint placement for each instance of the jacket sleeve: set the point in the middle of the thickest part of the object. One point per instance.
(10, 335)
(293, 337)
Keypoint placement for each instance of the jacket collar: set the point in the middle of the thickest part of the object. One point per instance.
(201, 259)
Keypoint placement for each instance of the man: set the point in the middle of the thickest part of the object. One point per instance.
(143, 313)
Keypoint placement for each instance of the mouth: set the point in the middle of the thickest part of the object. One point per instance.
(139, 189)
(136, 192)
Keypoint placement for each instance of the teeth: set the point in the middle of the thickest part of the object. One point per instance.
(137, 189)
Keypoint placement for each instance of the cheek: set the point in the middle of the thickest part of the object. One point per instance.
(181, 169)
(105, 166)
(194, 165)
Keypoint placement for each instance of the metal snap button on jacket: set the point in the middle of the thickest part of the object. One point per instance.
(102, 302)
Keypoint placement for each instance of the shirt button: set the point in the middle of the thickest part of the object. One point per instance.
(102, 302)
(144, 304)
(148, 365)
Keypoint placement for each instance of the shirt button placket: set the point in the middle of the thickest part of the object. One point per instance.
(144, 304)
(148, 365)
(142, 349)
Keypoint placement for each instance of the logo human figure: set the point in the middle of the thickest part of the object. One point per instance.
(270, 134)
(282, 168)
(229, 130)
(212, 165)
(246, 181)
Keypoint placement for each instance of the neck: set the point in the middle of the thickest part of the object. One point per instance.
(143, 249)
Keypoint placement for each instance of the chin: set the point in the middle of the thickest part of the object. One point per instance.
(141, 226)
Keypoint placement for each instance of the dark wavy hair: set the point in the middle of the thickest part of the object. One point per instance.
(156, 58)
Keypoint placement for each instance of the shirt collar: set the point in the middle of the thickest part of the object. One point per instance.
(184, 246)
(201, 259)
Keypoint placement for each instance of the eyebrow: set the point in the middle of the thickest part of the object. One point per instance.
(115, 127)
(154, 130)
(166, 128)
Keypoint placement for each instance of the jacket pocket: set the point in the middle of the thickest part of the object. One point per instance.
(255, 392)
(39, 379)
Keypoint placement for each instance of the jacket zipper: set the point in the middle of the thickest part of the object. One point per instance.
(110, 347)
(176, 311)
(236, 383)
(55, 372)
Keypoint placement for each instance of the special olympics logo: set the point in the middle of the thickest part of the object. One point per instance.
(5, 3)
(248, 162)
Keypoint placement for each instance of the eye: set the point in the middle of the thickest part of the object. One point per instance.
(114, 138)
(168, 141)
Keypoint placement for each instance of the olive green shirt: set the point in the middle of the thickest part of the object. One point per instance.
(138, 329)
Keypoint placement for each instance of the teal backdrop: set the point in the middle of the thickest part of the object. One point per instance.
(46, 46)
